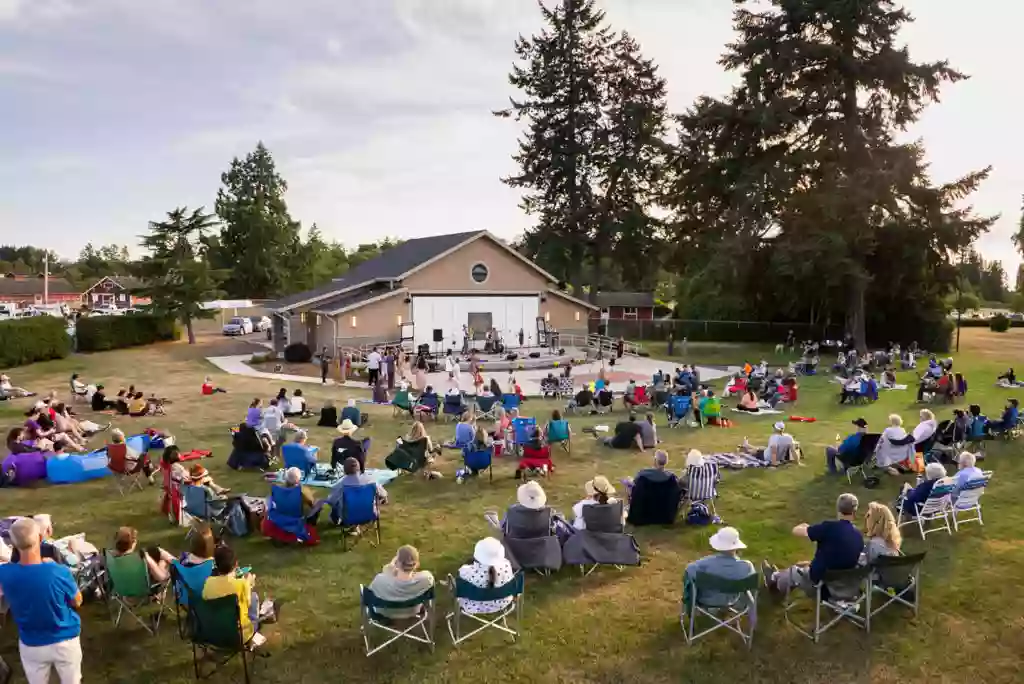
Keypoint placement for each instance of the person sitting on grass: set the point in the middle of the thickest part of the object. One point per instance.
(748, 402)
(66, 422)
(296, 405)
(839, 545)
(399, 581)
(9, 390)
(910, 497)
(558, 430)
(44, 601)
(889, 379)
(488, 569)
(346, 446)
(209, 388)
(648, 431)
(227, 580)
(847, 450)
(725, 564)
(353, 477)
(884, 538)
(352, 413)
(599, 491)
(158, 561)
(627, 435)
(137, 405)
(99, 401)
(16, 443)
(328, 415)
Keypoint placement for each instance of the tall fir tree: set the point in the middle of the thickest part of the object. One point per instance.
(177, 274)
(260, 242)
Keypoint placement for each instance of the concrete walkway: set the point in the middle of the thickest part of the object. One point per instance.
(638, 368)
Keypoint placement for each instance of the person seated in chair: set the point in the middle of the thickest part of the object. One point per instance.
(884, 538)
(346, 446)
(301, 439)
(627, 435)
(549, 386)
(657, 473)
(648, 432)
(851, 389)
(427, 403)
(200, 477)
(536, 456)
(1009, 419)
(925, 430)
(225, 580)
(889, 378)
(709, 408)
(558, 430)
(604, 398)
(839, 547)
(487, 569)
(399, 581)
(585, 399)
(135, 461)
(967, 472)
(353, 477)
(629, 396)
(895, 447)
(910, 497)
(328, 415)
(158, 561)
(408, 450)
(78, 387)
(847, 450)
(725, 564)
(599, 491)
(352, 413)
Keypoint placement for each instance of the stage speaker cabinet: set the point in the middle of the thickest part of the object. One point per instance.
(423, 349)
(512, 357)
(534, 355)
(438, 335)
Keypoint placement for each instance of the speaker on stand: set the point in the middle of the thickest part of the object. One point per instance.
(438, 341)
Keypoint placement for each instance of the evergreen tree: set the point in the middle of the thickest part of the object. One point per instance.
(1018, 242)
(177, 273)
(260, 241)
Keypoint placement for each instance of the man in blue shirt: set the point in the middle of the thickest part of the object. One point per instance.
(1011, 414)
(44, 600)
(725, 564)
(847, 450)
(839, 545)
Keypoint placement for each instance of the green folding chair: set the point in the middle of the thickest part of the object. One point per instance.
(742, 594)
(847, 592)
(215, 630)
(369, 610)
(131, 591)
(498, 620)
(898, 580)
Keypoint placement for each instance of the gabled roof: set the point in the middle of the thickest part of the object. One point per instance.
(637, 299)
(33, 285)
(343, 302)
(123, 282)
(394, 264)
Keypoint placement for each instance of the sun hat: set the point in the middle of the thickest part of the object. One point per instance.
(599, 484)
(780, 426)
(347, 427)
(861, 423)
(694, 458)
(531, 495)
(198, 472)
(488, 552)
(727, 539)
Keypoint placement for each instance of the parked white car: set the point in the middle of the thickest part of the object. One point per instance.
(260, 323)
(239, 325)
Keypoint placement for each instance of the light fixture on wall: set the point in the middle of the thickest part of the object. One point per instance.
(302, 317)
(318, 319)
(398, 319)
(353, 321)
(577, 315)
(547, 316)
(543, 297)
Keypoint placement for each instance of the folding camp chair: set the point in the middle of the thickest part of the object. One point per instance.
(76, 394)
(358, 508)
(453, 408)
(603, 542)
(202, 506)
(402, 404)
(297, 455)
(369, 606)
(121, 467)
(565, 387)
(604, 401)
(185, 579)
(865, 457)
(679, 406)
(522, 432)
(513, 589)
(898, 579)
(131, 590)
(742, 595)
(559, 433)
(485, 408)
(426, 405)
(510, 401)
(479, 459)
(701, 484)
(935, 509)
(969, 501)
(529, 541)
(841, 591)
(215, 629)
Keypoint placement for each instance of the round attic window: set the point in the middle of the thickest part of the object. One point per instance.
(479, 273)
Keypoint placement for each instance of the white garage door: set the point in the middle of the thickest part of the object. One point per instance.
(508, 314)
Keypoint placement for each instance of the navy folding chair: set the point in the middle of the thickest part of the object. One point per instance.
(480, 459)
(358, 508)
(510, 401)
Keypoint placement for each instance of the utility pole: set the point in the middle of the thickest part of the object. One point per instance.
(46, 277)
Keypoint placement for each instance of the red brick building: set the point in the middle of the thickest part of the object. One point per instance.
(28, 290)
(624, 306)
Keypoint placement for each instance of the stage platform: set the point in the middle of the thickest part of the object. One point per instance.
(493, 363)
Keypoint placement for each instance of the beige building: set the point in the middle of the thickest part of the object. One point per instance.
(429, 291)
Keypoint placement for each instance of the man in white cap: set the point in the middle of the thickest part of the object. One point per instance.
(725, 563)
(779, 444)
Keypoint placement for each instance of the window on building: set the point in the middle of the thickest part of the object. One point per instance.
(479, 273)
(629, 312)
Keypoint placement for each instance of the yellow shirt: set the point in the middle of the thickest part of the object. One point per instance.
(137, 405)
(219, 586)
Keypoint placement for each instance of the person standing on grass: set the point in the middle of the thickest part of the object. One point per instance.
(373, 367)
(44, 600)
(325, 365)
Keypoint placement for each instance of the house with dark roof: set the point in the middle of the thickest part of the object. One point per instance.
(28, 290)
(624, 306)
(430, 291)
(113, 292)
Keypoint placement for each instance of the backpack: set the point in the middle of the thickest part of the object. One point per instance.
(699, 515)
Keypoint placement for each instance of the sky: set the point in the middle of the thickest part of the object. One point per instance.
(378, 112)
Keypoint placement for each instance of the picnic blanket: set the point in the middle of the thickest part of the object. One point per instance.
(760, 412)
(734, 461)
(894, 387)
(314, 479)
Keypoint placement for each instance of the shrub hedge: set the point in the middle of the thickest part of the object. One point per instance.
(27, 340)
(999, 323)
(298, 353)
(985, 323)
(100, 333)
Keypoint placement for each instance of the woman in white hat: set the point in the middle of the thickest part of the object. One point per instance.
(724, 563)
(599, 491)
(488, 569)
(346, 446)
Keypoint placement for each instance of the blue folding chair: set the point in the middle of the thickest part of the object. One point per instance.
(187, 579)
(427, 404)
(298, 456)
(510, 401)
(358, 508)
(453, 407)
(202, 506)
(481, 459)
(522, 432)
(679, 406)
(485, 407)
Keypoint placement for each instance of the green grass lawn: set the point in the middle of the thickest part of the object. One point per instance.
(609, 627)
